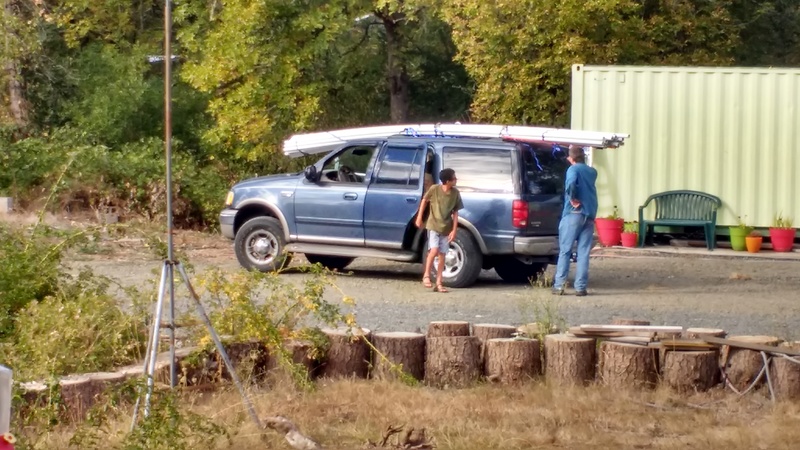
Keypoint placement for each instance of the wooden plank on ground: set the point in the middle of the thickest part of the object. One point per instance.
(638, 340)
(750, 346)
(687, 344)
(647, 328)
(577, 331)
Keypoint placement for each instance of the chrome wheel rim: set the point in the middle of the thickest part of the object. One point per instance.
(261, 247)
(453, 261)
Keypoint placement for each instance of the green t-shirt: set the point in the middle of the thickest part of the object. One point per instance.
(442, 206)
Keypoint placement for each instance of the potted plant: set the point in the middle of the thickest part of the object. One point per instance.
(630, 234)
(781, 234)
(609, 228)
(753, 241)
(738, 233)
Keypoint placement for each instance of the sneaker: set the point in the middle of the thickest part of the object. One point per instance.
(558, 291)
(581, 293)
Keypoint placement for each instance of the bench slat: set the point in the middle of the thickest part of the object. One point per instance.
(682, 208)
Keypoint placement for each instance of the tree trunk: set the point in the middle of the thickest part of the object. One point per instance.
(569, 360)
(18, 106)
(742, 366)
(694, 333)
(695, 371)
(628, 365)
(348, 354)
(403, 351)
(452, 361)
(396, 70)
(785, 375)
(486, 331)
(448, 328)
(512, 360)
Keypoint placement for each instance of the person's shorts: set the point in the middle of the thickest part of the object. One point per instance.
(436, 240)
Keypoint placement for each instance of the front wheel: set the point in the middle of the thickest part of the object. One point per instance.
(513, 270)
(463, 262)
(330, 262)
(260, 245)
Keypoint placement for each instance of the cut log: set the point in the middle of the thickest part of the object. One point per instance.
(785, 374)
(569, 360)
(348, 354)
(628, 365)
(448, 328)
(625, 321)
(535, 330)
(299, 352)
(452, 361)
(512, 360)
(693, 371)
(694, 333)
(486, 331)
(401, 351)
(741, 366)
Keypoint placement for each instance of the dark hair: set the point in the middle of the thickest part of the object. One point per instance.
(577, 154)
(447, 175)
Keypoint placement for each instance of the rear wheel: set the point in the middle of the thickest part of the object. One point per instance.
(514, 270)
(330, 262)
(463, 261)
(260, 245)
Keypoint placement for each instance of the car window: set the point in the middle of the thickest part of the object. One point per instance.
(480, 169)
(545, 168)
(349, 165)
(401, 167)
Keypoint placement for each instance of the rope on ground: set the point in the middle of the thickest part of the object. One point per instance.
(794, 360)
(769, 379)
(750, 387)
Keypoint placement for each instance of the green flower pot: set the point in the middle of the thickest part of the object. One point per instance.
(738, 235)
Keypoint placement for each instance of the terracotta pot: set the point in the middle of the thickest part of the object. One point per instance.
(630, 239)
(609, 231)
(753, 243)
(782, 239)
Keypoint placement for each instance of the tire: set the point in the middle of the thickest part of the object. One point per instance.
(512, 270)
(260, 245)
(463, 261)
(330, 262)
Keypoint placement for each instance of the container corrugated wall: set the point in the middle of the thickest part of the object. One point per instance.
(730, 132)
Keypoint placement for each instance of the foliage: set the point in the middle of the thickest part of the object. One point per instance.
(614, 214)
(755, 233)
(782, 222)
(741, 223)
(631, 227)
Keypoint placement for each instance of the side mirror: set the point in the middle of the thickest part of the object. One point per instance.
(310, 173)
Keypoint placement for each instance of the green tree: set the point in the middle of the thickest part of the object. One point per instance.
(769, 31)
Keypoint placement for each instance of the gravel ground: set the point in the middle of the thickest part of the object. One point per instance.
(686, 287)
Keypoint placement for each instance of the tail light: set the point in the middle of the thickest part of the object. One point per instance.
(519, 214)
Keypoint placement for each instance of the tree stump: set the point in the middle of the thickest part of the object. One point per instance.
(448, 328)
(785, 375)
(452, 361)
(512, 360)
(691, 371)
(628, 365)
(404, 351)
(694, 333)
(348, 354)
(569, 360)
(486, 331)
(626, 321)
(298, 352)
(742, 366)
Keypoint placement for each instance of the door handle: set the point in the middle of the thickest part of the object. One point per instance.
(411, 199)
(350, 196)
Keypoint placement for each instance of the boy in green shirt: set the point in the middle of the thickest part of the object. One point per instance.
(442, 223)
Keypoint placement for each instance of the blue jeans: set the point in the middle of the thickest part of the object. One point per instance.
(574, 227)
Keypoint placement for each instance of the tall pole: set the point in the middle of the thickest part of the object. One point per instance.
(168, 150)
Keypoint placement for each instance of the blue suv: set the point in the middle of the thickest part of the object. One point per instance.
(361, 199)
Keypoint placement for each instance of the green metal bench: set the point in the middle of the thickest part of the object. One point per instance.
(682, 209)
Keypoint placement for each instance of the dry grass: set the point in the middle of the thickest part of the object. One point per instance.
(347, 414)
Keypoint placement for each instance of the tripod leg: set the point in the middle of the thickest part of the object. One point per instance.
(171, 281)
(151, 369)
(202, 312)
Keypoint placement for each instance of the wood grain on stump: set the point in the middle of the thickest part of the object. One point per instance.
(448, 328)
(486, 331)
(627, 321)
(512, 360)
(628, 365)
(452, 361)
(569, 360)
(297, 352)
(691, 371)
(742, 366)
(694, 333)
(785, 375)
(401, 350)
(348, 354)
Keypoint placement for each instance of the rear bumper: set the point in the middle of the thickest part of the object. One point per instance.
(536, 245)
(226, 218)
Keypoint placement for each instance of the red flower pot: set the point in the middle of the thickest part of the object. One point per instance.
(609, 231)
(630, 239)
(782, 239)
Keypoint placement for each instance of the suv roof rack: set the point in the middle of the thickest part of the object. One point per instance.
(325, 141)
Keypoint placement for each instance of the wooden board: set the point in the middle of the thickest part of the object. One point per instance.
(750, 346)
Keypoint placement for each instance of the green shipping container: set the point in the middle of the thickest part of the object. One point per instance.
(731, 132)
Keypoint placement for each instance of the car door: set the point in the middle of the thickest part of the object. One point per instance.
(545, 167)
(331, 210)
(395, 193)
